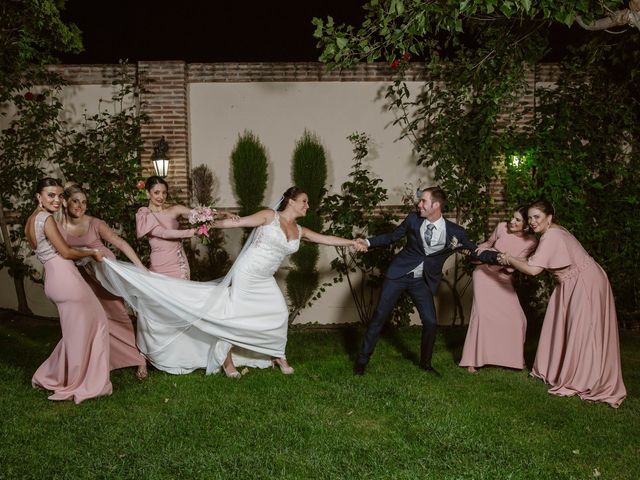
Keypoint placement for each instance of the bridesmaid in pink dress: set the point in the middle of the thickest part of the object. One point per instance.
(578, 352)
(497, 325)
(80, 230)
(78, 367)
(159, 222)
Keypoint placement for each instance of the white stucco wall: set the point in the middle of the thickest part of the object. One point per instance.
(278, 113)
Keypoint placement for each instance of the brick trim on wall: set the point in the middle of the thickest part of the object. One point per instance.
(92, 74)
(165, 99)
(297, 72)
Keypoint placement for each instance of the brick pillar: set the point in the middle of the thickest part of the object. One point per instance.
(164, 99)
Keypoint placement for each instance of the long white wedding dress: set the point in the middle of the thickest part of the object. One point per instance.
(185, 325)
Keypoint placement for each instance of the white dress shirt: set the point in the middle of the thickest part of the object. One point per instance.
(438, 240)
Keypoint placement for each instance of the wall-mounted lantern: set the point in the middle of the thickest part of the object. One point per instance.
(160, 157)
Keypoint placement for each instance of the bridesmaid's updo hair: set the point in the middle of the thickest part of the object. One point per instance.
(71, 188)
(524, 211)
(290, 193)
(47, 182)
(545, 207)
(154, 180)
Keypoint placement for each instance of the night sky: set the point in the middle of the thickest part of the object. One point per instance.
(218, 30)
(201, 30)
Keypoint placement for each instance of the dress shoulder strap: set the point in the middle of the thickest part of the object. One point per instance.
(276, 218)
(41, 218)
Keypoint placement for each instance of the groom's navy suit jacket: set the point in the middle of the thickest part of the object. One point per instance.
(413, 252)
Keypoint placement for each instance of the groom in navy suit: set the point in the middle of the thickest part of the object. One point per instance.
(417, 269)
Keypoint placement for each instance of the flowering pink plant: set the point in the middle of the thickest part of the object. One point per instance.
(200, 218)
(141, 192)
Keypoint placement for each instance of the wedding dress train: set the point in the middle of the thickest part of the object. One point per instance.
(185, 325)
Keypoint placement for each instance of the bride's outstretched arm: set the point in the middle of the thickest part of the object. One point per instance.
(315, 237)
(259, 218)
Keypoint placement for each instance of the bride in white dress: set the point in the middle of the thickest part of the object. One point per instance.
(241, 319)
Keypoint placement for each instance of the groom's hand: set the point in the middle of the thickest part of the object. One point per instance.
(361, 245)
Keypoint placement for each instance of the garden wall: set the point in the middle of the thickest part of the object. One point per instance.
(202, 108)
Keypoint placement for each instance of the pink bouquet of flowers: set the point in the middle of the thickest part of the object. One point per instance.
(201, 218)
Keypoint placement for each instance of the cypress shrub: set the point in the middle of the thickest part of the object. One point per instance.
(249, 169)
(309, 172)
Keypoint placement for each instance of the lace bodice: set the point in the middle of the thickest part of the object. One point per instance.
(269, 248)
(44, 250)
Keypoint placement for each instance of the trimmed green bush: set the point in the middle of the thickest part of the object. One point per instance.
(249, 167)
(309, 172)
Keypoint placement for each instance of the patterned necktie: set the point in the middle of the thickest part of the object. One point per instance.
(428, 233)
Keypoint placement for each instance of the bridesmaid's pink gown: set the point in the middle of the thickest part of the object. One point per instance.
(78, 368)
(497, 325)
(165, 239)
(124, 352)
(578, 352)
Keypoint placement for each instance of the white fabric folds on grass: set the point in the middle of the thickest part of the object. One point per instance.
(185, 325)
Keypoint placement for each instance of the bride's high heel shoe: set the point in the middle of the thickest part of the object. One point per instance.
(285, 368)
(231, 373)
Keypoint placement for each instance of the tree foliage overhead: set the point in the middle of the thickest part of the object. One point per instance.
(393, 27)
(31, 32)
(581, 141)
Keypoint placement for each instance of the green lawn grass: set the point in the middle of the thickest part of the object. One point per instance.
(322, 422)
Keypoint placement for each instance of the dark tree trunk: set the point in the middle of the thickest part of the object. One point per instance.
(16, 272)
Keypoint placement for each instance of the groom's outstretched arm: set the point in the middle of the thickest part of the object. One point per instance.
(487, 256)
(390, 237)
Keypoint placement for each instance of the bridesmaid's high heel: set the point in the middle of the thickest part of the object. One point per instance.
(285, 368)
(142, 372)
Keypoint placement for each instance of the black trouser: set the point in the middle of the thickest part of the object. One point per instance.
(423, 300)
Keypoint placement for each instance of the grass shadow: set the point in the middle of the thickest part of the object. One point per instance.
(454, 340)
(350, 337)
(25, 342)
(394, 337)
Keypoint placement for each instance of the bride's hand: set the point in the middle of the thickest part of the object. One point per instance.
(231, 216)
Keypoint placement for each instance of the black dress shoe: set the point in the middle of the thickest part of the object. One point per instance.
(359, 368)
(431, 370)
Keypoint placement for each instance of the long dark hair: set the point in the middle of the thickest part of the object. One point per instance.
(290, 193)
(47, 182)
(154, 180)
(524, 211)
